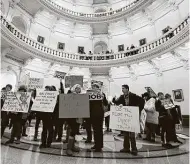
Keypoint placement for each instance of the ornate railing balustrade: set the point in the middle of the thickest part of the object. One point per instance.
(165, 43)
(113, 15)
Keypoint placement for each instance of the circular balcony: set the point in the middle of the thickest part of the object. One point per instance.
(90, 18)
(164, 44)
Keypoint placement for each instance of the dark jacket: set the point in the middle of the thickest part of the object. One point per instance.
(134, 100)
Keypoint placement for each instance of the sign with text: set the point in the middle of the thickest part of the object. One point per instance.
(17, 102)
(60, 75)
(143, 119)
(70, 81)
(125, 118)
(36, 83)
(45, 101)
(74, 106)
(95, 95)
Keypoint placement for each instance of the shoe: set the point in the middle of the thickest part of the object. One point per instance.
(88, 141)
(125, 150)
(58, 140)
(98, 150)
(134, 152)
(93, 148)
(9, 142)
(120, 134)
(35, 139)
(24, 135)
(17, 141)
(177, 141)
(48, 146)
(167, 145)
(43, 146)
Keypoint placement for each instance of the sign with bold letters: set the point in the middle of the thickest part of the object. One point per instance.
(125, 118)
(60, 75)
(70, 81)
(74, 106)
(94, 95)
(36, 83)
(17, 102)
(45, 101)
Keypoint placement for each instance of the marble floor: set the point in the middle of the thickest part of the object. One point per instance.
(28, 151)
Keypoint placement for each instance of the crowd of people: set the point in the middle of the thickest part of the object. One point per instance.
(159, 122)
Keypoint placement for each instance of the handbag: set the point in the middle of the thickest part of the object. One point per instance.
(150, 105)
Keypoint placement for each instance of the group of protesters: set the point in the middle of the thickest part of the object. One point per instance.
(159, 121)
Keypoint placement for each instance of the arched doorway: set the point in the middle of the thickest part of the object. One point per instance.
(100, 46)
(20, 24)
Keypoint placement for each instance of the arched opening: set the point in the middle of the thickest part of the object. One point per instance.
(20, 24)
(100, 46)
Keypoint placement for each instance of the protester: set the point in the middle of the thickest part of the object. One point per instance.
(152, 117)
(175, 119)
(73, 124)
(17, 121)
(165, 120)
(47, 132)
(97, 117)
(129, 99)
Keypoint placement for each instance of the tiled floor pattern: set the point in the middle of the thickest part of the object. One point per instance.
(29, 152)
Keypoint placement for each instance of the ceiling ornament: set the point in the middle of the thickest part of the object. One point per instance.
(156, 68)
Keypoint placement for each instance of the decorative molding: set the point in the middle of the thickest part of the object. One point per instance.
(146, 52)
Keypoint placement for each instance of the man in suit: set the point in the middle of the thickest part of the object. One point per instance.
(129, 99)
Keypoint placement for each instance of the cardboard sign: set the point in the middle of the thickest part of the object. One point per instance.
(167, 104)
(95, 95)
(36, 83)
(45, 101)
(125, 118)
(70, 81)
(60, 75)
(74, 106)
(143, 119)
(17, 102)
(151, 92)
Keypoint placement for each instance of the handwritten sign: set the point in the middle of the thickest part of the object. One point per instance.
(74, 106)
(17, 102)
(60, 75)
(45, 101)
(125, 118)
(143, 119)
(36, 83)
(70, 81)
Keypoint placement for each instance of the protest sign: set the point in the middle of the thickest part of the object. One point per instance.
(143, 119)
(45, 101)
(151, 92)
(70, 81)
(60, 75)
(36, 83)
(17, 102)
(125, 118)
(74, 106)
(94, 95)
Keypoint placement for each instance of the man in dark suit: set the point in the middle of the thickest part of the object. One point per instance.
(129, 99)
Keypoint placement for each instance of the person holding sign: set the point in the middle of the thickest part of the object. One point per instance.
(97, 117)
(73, 124)
(17, 121)
(4, 114)
(129, 99)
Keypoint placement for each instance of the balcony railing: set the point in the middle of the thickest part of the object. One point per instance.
(151, 49)
(95, 17)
